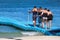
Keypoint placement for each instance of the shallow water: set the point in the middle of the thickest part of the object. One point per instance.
(10, 31)
(21, 15)
(18, 10)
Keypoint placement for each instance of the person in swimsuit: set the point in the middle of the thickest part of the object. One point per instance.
(39, 16)
(50, 18)
(34, 11)
(44, 17)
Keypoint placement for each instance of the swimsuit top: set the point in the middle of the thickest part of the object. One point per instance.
(50, 15)
(39, 13)
(34, 13)
(45, 15)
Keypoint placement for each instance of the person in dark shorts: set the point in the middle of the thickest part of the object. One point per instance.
(44, 17)
(50, 18)
(34, 11)
(39, 16)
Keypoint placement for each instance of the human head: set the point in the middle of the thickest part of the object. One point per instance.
(34, 6)
(40, 7)
(45, 8)
(48, 10)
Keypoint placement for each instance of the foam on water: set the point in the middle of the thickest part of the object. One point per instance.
(31, 33)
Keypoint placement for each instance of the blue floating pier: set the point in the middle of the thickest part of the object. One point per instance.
(22, 25)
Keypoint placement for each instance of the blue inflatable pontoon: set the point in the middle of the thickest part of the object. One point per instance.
(22, 25)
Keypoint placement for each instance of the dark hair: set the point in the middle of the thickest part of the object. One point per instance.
(40, 7)
(45, 8)
(48, 10)
(34, 6)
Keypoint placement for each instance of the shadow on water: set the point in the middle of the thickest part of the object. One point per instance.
(55, 32)
(33, 25)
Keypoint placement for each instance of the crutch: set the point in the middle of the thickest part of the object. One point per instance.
(28, 17)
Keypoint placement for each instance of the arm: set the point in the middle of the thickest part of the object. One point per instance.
(42, 13)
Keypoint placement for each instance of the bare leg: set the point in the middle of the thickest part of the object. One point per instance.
(43, 24)
(47, 24)
(34, 23)
(50, 23)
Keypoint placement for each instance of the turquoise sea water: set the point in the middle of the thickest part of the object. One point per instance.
(21, 14)
(10, 31)
(18, 10)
